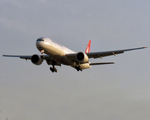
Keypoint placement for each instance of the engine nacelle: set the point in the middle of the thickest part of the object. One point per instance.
(82, 57)
(36, 59)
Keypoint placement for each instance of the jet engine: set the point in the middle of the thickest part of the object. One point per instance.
(36, 59)
(82, 57)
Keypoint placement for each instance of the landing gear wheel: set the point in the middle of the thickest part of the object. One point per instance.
(53, 69)
(78, 69)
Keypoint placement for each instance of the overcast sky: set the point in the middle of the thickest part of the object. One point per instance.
(111, 92)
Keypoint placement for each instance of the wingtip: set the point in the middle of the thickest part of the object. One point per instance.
(145, 47)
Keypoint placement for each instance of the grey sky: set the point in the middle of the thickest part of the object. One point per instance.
(120, 91)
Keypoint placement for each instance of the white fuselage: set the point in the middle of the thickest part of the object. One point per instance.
(47, 46)
(51, 48)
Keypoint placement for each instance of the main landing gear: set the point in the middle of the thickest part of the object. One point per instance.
(78, 68)
(53, 69)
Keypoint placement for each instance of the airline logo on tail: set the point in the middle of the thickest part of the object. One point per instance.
(88, 47)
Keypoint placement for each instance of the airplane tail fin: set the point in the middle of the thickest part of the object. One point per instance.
(88, 47)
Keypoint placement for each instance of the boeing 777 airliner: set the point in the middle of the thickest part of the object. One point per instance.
(56, 55)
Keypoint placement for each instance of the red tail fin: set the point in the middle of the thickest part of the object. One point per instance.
(88, 47)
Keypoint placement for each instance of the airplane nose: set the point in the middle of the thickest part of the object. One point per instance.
(40, 39)
(39, 42)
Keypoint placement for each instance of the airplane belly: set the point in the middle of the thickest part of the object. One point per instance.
(74, 64)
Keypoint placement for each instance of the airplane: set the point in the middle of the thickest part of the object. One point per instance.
(56, 55)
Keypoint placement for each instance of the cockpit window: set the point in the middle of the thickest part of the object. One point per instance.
(40, 40)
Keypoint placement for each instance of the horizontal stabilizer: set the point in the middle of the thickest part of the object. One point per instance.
(102, 63)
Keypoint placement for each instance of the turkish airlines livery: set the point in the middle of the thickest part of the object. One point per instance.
(57, 54)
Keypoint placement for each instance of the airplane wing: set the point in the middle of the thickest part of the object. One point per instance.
(109, 53)
(48, 58)
(20, 56)
(103, 54)
(26, 57)
(58, 59)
